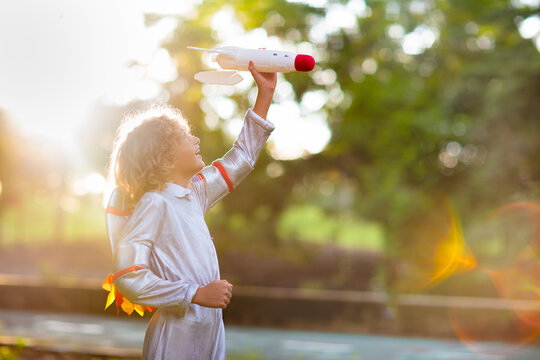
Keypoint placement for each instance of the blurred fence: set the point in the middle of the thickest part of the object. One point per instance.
(327, 310)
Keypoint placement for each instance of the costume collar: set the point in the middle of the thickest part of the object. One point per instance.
(176, 190)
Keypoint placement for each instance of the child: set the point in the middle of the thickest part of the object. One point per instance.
(165, 257)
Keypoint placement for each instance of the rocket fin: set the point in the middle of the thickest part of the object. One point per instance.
(218, 50)
(219, 77)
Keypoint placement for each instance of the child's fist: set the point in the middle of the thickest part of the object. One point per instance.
(266, 82)
(217, 294)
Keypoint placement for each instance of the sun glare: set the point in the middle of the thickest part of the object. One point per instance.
(67, 55)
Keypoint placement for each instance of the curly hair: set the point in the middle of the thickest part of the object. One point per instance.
(144, 149)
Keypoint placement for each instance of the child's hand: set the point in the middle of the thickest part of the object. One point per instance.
(266, 83)
(217, 294)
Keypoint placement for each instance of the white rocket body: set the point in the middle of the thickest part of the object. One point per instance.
(236, 58)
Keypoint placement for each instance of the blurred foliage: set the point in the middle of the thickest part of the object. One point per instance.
(13, 352)
(6, 162)
(310, 223)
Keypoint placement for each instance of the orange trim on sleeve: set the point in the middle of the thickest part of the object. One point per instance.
(125, 271)
(118, 212)
(224, 174)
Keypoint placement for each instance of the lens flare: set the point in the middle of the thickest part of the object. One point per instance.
(524, 217)
(518, 278)
(471, 327)
(513, 266)
(452, 255)
(519, 281)
(433, 249)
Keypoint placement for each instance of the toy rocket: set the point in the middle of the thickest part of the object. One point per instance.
(236, 58)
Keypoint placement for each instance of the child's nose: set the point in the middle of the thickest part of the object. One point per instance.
(197, 140)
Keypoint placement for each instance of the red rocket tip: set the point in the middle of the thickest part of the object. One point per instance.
(304, 62)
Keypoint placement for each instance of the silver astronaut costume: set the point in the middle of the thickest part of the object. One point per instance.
(163, 251)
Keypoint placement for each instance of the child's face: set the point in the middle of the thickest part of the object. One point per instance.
(188, 161)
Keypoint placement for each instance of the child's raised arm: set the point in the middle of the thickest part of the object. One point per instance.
(266, 83)
(226, 173)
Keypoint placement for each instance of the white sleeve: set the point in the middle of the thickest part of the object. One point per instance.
(226, 173)
(137, 282)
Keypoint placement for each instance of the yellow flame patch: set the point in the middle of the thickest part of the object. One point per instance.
(121, 301)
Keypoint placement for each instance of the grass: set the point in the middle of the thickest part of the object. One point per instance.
(309, 223)
(38, 218)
